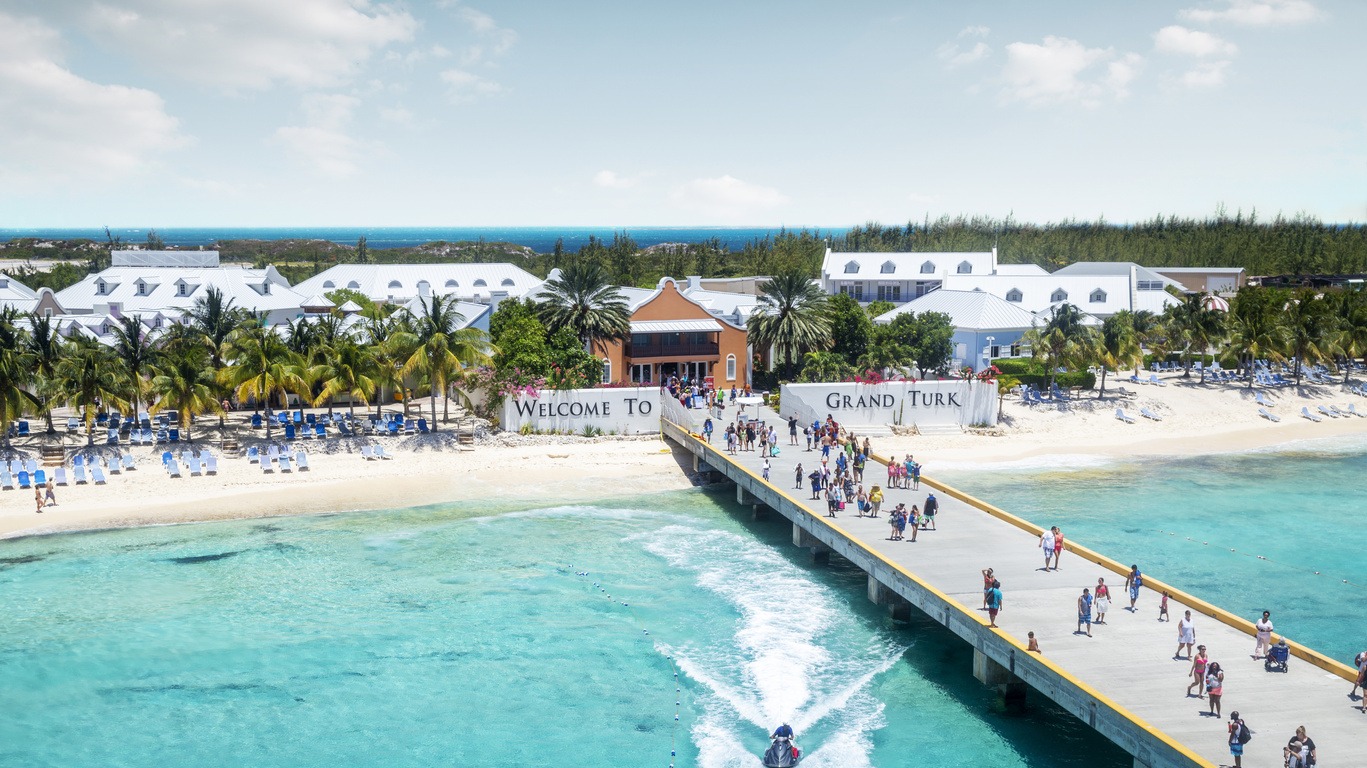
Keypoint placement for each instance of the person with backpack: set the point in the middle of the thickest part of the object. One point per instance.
(932, 506)
(1360, 661)
(1239, 735)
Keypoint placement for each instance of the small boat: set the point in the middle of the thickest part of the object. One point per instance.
(782, 752)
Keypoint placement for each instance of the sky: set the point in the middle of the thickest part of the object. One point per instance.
(169, 113)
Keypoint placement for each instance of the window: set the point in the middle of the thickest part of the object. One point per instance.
(928, 268)
(641, 339)
(353, 286)
(182, 289)
(670, 339)
(730, 367)
(851, 267)
(424, 286)
(1149, 285)
(452, 284)
(607, 371)
(329, 284)
(480, 283)
(47, 312)
(1058, 295)
(507, 281)
(142, 288)
(395, 284)
(888, 268)
(1098, 297)
(890, 293)
(965, 268)
(1014, 295)
(101, 288)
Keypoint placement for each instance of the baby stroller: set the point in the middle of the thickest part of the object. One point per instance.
(1277, 657)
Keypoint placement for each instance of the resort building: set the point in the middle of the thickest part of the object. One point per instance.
(675, 334)
(400, 283)
(1214, 280)
(899, 277)
(170, 282)
(985, 326)
(17, 295)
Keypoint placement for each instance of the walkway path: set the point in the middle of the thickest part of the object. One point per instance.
(1130, 658)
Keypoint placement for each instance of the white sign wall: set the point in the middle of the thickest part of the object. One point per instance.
(622, 411)
(926, 403)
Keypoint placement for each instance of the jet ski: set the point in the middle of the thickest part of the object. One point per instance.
(782, 752)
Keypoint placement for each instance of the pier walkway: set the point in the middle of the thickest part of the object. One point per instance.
(1123, 681)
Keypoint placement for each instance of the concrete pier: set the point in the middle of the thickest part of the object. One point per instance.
(1123, 682)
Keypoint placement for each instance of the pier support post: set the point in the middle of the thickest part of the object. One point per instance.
(742, 496)
(987, 671)
(881, 594)
(820, 552)
(758, 512)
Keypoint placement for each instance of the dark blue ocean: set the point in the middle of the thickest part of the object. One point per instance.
(541, 239)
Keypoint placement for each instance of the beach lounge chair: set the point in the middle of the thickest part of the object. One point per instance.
(23, 429)
(1156, 380)
(253, 455)
(196, 467)
(78, 474)
(1353, 410)
(97, 474)
(410, 427)
(173, 435)
(113, 437)
(1326, 411)
(344, 429)
(1334, 409)
(380, 454)
(173, 468)
(272, 453)
(211, 465)
(102, 420)
(289, 431)
(320, 431)
(15, 467)
(6, 479)
(73, 424)
(267, 467)
(1126, 393)
(32, 465)
(128, 462)
(285, 463)
(115, 467)
(24, 480)
(394, 427)
(1260, 400)
(59, 476)
(301, 459)
(1120, 415)
(78, 460)
(310, 419)
(1307, 414)
(40, 477)
(422, 427)
(367, 453)
(306, 432)
(256, 421)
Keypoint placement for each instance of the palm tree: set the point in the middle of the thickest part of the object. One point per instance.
(1309, 327)
(1254, 328)
(1117, 345)
(1148, 329)
(790, 318)
(348, 369)
(44, 343)
(1197, 327)
(16, 371)
(390, 340)
(262, 368)
(133, 347)
(444, 349)
(1063, 341)
(90, 376)
(582, 299)
(214, 319)
(184, 383)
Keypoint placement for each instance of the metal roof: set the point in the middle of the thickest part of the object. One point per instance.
(401, 282)
(969, 310)
(913, 265)
(674, 326)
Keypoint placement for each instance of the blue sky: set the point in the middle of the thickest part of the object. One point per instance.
(368, 113)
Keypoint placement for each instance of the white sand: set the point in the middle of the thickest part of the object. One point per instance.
(1196, 419)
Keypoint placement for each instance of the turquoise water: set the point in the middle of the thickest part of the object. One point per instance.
(1246, 531)
(468, 635)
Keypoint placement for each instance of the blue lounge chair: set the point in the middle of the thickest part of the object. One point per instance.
(97, 474)
(298, 416)
(24, 481)
(113, 437)
(253, 455)
(310, 419)
(393, 427)
(422, 426)
(409, 427)
(305, 432)
(102, 420)
(23, 429)
(320, 431)
(173, 435)
(256, 421)
(289, 431)
(344, 429)
(40, 477)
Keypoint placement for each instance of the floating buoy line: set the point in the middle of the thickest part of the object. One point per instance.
(645, 632)
(1283, 564)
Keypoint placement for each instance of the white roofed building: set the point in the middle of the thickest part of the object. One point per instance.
(898, 277)
(17, 295)
(399, 283)
(985, 326)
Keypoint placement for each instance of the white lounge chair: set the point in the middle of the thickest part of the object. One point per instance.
(97, 474)
(380, 454)
(1326, 411)
(114, 465)
(1307, 414)
(301, 459)
(1126, 393)
(1353, 410)
(173, 468)
(78, 472)
(266, 466)
(1148, 414)
(211, 465)
(1120, 415)
(196, 467)
(367, 453)
(6, 479)
(1153, 379)
(1260, 400)
(1266, 414)
(284, 463)
(253, 455)
(128, 462)
(59, 476)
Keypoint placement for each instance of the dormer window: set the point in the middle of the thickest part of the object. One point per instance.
(1014, 295)
(480, 283)
(353, 286)
(888, 268)
(1058, 295)
(507, 282)
(452, 284)
(395, 284)
(4, 283)
(182, 288)
(101, 288)
(329, 284)
(142, 288)
(851, 267)
(1098, 297)
(928, 268)
(965, 268)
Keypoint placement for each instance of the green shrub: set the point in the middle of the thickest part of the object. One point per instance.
(1084, 379)
(1016, 366)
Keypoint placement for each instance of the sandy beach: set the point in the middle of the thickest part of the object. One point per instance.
(1196, 419)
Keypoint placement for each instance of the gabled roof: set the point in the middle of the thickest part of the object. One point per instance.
(318, 300)
(1114, 268)
(905, 265)
(968, 310)
(15, 294)
(404, 281)
(258, 290)
(471, 311)
(1039, 291)
(1045, 314)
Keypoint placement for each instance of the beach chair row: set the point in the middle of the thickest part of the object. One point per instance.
(1152, 379)
(28, 475)
(1324, 412)
(195, 464)
(1120, 415)
(275, 457)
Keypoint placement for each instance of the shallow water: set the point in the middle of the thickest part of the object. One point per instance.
(1275, 529)
(469, 635)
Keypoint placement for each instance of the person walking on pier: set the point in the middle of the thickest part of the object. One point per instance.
(987, 585)
(932, 507)
(1308, 756)
(1084, 612)
(1133, 582)
(1186, 636)
(1362, 679)
(1103, 598)
(1215, 686)
(994, 603)
(1264, 627)
(797, 473)
(1046, 543)
(1058, 545)
(1198, 673)
(815, 477)
(916, 520)
(875, 501)
(792, 432)
(1238, 737)
(766, 469)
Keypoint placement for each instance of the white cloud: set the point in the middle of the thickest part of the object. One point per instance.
(59, 125)
(955, 56)
(611, 180)
(251, 44)
(322, 142)
(1180, 40)
(494, 40)
(1207, 74)
(1064, 70)
(727, 198)
(467, 86)
(974, 31)
(1255, 13)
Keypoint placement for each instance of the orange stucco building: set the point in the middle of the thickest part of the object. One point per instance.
(672, 334)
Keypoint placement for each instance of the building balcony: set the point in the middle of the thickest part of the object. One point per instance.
(688, 349)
